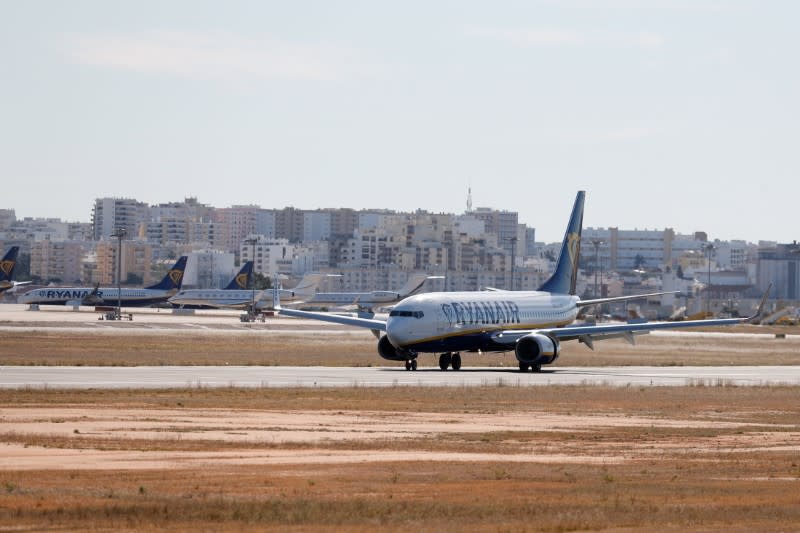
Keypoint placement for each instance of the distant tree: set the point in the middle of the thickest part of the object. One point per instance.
(639, 261)
(261, 282)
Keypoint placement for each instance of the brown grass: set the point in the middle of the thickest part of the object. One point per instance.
(699, 458)
(53, 347)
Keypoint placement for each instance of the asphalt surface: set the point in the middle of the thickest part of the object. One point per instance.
(163, 377)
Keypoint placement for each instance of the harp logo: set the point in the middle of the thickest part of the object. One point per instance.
(176, 276)
(572, 247)
(241, 280)
(6, 267)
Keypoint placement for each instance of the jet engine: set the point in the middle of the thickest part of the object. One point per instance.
(537, 349)
(388, 351)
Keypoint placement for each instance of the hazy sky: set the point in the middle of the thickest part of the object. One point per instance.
(680, 114)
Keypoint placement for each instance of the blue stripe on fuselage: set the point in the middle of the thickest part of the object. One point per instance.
(461, 343)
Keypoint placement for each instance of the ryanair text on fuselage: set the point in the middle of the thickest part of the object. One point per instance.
(490, 312)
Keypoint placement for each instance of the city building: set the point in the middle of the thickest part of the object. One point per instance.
(136, 267)
(57, 261)
(779, 266)
(111, 213)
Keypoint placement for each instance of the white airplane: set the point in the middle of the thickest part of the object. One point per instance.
(153, 294)
(234, 294)
(532, 324)
(368, 301)
(243, 298)
(7, 265)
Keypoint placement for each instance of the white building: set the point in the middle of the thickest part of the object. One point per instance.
(266, 253)
(209, 269)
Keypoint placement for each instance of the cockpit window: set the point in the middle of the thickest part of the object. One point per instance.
(415, 314)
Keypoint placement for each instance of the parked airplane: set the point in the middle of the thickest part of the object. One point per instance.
(153, 294)
(233, 297)
(7, 265)
(533, 324)
(236, 291)
(368, 301)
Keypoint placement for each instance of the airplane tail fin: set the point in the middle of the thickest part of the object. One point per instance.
(414, 283)
(242, 279)
(174, 277)
(307, 286)
(563, 279)
(8, 263)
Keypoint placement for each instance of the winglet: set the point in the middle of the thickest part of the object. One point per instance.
(755, 317)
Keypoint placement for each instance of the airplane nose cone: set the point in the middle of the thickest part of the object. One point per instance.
(399, 331)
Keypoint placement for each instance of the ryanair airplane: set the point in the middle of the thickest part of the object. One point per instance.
(151, 295)
(532, 324)
(237, 296)
(7, 265)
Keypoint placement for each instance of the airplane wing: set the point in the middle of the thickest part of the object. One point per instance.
(587, 334)
(584, 303)
(370, 323)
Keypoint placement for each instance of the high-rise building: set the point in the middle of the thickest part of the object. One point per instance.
(111, 213)
(504, 224)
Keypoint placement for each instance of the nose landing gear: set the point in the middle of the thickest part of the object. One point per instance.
(411, 364)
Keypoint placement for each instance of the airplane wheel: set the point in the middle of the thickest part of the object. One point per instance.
(408, 365)
(523, 367)
(455, 361)
(444, 361)
(414, 364)
(536, 368)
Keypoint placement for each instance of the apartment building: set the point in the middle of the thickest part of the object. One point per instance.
(111, 213)
(57, 261)
(135, 267)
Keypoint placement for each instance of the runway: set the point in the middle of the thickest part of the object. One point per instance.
(163, 377)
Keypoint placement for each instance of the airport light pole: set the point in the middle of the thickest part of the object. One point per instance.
(119, 232)
(596, 243)
(252, 241)
(709, 249)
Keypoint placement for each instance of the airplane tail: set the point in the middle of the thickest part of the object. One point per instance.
(307, 286)
(174, 277)
(563, 279)
(242, 279)
(8, 263)
(414, 283)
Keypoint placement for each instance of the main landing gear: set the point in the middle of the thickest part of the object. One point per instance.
(411, 364)
(450, 360)
(523, 367)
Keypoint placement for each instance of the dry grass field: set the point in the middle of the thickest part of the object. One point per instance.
(432, 459)
(52, 346)
(400, 458)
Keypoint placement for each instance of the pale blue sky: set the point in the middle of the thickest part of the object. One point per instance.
(669, 113)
